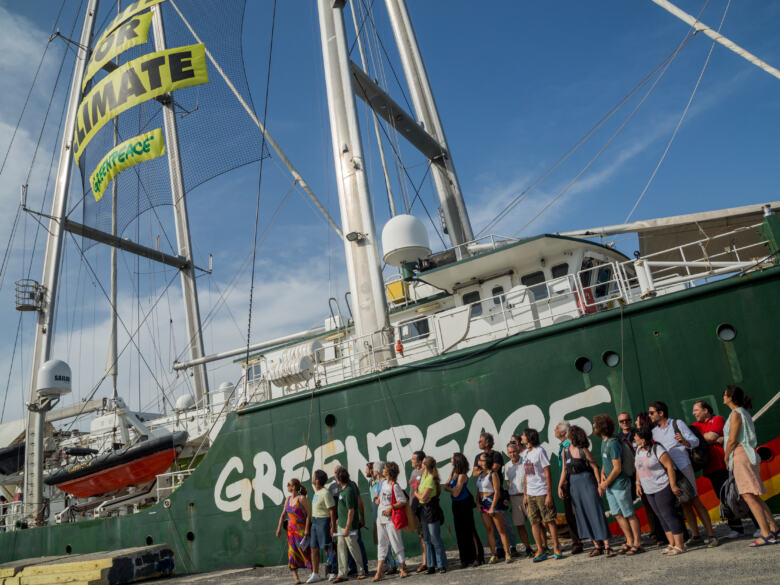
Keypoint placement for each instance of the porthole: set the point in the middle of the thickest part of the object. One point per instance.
(611, 358)
(149, 541)
(583, 365)
(726, 332)
(68, 550)
(330, 420)
(190, 536)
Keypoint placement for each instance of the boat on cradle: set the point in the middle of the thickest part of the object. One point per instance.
(493, 333)
(117, 469)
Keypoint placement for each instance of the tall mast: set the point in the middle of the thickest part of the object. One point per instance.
(183, 241)
(44, 331)
(357, 219)
(112, 341)
(445, 179)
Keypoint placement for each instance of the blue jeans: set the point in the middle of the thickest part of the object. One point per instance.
(434, 547)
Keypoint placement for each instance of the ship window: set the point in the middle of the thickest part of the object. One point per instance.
(253, 372)
(413, 330)
(603, 277)
(498, 295)
(611, 358)
(586, 273)
(535, 281)
(560, 270)
(472, 299)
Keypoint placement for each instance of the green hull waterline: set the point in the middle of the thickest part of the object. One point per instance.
(226, 513)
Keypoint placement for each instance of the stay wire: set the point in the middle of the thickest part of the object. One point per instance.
(680, 121)
(601, 151)
(32, 86)
(578, 143)
(259, 185)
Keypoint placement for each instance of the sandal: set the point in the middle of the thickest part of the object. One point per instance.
(609, 552)
(667, 550)
(635, 550)
(598, 551)
(767, 540)
(557, 555)
(540, 557)
(422, 568)
(676, 550)
(623, 549)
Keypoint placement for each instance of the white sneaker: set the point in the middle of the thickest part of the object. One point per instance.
(733, 534)
(314, 578)
(331, 576)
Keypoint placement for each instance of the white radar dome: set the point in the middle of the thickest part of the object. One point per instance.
(53, 379)
(184, 402)
(404, 239)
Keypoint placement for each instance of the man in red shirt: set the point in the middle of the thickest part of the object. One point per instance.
(711, 427)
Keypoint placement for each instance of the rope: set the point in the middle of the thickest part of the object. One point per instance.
(588, 135)
(259, 187)
(32, 86)
(612, 138)
(679, 122)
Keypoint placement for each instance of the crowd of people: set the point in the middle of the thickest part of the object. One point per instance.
(654, 458)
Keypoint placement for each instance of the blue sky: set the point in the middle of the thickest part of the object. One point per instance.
(516, 84)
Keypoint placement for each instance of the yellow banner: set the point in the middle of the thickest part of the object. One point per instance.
(131, 10)
(133, 32)
(123, 156)
(135, 82)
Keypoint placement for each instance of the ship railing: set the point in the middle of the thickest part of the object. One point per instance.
(11, 513)
(167, 483)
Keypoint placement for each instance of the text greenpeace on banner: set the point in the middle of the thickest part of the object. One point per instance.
(125, 155)
(131, 10)
(135, 82)
(132, 33)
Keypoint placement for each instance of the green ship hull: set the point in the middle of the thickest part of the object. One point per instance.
(225, 514)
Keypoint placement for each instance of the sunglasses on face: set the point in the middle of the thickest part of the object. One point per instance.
(625, 421)
(651, 412)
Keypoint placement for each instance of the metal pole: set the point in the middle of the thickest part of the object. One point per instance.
(374, 116)
(112, 342)
(447, 186)
(717, 37)
(183, 241)
(44, 331)
(360, 244)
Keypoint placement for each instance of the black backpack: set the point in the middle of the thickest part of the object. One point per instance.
(731, 503)
(700, 456)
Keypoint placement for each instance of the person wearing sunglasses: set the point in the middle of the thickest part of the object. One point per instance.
(625, 430)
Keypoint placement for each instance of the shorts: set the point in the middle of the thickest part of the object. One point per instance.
(538, 512)
(320, 533)
(487, 501)
(620, 501)
(518, 510)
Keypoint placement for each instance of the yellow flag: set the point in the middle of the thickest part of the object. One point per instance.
(135, 82)
(132, 33)
(125, 155)
(131, 10)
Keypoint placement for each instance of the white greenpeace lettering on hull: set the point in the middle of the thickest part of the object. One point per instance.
(397, 443)
(561, 408)
(238, 493)
(437, 431)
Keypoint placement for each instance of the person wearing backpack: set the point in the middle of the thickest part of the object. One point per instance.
(710, 425)
(677, 439)
(616, 457)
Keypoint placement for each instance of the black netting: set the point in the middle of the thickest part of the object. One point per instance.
(215, 133)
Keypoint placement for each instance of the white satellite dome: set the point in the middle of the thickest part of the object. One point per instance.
(404, 239)
(184, 402)
(53, 379)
